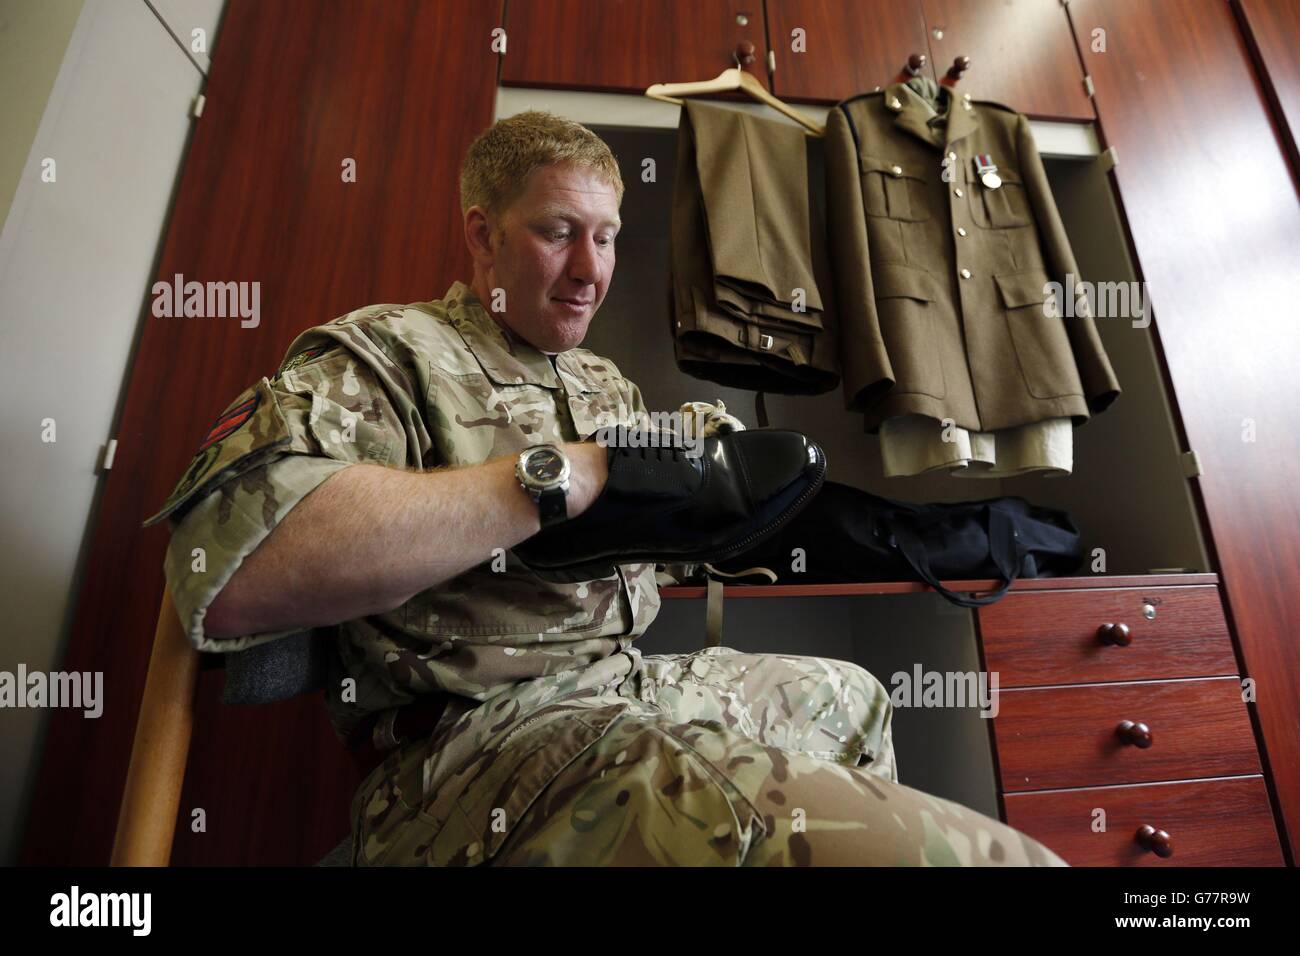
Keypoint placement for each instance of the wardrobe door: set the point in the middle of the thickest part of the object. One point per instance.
(628, 45)
(1215, 222)
(400, 88)
(1022, 54)
(846, 46)
(1272, 29)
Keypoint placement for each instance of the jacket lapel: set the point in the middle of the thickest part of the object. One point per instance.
(963, 118)
(911, 114)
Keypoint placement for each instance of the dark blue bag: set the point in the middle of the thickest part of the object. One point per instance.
(850, 536)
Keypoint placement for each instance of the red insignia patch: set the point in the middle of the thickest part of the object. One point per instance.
(230, 422)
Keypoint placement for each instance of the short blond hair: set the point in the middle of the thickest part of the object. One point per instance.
(498, 163)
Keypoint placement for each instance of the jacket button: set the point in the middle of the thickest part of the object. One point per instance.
(896, 170)
(960, 193)
(961, 231)
(965, 273)
(951, 157)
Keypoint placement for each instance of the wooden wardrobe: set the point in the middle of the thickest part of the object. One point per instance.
(1193, 189)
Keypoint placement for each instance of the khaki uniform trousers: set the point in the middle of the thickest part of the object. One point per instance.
(715, 758)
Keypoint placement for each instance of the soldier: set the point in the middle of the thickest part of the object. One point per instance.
(374, 488)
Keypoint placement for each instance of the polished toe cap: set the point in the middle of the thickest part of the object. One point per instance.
(772, 459)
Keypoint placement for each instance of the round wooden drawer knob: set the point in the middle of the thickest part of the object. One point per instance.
(1157, 841)
(745, 52)
(1116, 634)
(1136, 735)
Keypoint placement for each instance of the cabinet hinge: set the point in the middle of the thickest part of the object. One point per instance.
(110, 452)
(771, 62)
(1087, 85)
(1109, 158)
(1192, 465)
(197, 109)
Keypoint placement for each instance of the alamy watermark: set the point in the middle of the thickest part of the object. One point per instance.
(75, 908)
(1098, 300)
(922, 688)
(73, 689)
(208, 300)
(628, 429)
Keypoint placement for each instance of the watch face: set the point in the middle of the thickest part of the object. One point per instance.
(545, 466)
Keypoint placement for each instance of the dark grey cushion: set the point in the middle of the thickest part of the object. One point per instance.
(281, 669)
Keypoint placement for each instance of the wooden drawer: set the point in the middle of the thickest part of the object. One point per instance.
(1209, 823)
(1050, 637)
(1066, 736)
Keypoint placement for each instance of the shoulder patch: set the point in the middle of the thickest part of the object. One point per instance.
(248, 431)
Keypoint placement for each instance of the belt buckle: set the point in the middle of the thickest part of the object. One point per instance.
(765, 342)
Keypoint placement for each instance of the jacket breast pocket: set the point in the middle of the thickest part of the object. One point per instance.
(895, 190)
(478, 417)
(906, 299)
(1042, 347)
(1006, 207)
(593, 409)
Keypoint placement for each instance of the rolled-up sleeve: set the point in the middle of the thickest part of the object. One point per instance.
(338, 406)
(210, 543)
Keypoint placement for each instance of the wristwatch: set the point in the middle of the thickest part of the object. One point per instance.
(543, 472)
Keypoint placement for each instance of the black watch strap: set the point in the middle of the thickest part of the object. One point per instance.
(552, 507)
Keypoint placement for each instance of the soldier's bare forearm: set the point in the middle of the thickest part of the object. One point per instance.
(369, 538)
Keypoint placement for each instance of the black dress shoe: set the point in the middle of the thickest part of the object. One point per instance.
(662, 505)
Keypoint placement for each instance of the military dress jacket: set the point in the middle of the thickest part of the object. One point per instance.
(941, 279)
(413, 387)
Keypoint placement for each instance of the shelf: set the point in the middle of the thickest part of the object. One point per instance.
(916, 587)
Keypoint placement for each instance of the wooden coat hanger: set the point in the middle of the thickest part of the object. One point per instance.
(732, 79)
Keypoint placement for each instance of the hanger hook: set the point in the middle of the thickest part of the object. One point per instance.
(736, 59)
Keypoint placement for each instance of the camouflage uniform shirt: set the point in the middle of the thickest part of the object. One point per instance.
(414, 387)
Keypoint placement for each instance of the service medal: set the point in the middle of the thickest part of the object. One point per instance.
(987, 170)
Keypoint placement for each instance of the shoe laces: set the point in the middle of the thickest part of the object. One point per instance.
(657, 451)
(672, 450)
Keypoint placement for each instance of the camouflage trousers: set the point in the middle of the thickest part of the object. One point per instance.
(716, 758)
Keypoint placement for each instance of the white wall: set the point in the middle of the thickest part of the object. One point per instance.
(76, 259)
(33, 39)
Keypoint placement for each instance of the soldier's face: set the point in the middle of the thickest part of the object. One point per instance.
(555, 258)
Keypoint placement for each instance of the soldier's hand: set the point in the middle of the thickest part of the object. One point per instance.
(589, 469)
